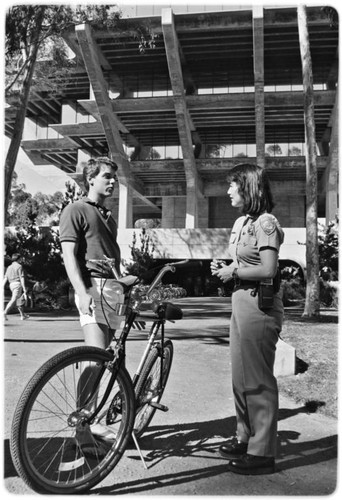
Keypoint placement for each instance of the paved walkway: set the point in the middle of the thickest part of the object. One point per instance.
(180, 448)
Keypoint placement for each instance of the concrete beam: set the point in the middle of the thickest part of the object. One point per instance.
(184, 122)
(109, 120)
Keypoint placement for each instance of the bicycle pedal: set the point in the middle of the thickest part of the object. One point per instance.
(159, 406)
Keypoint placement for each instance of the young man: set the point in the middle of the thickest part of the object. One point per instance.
(88, 232)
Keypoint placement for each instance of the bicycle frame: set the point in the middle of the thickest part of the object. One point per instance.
(118, 349)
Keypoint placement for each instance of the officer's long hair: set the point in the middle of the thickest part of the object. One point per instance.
(94, 166)
(254, 186)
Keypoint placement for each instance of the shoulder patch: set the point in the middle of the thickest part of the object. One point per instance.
(268, 223)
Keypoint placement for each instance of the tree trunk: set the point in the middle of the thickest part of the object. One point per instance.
(19, 123)
(312, 253)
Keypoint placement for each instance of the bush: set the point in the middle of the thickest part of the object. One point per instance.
(40, 252)
(292, 285)
(142, 257)
(328, 261)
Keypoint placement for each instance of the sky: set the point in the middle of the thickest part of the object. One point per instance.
(44, 178)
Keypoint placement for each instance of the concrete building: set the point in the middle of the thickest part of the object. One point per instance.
(207, 90)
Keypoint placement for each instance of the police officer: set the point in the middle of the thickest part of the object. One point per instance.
(256, 321)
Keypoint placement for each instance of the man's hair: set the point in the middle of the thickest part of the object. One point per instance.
(254, 187)
(15, 256)
(94, 166)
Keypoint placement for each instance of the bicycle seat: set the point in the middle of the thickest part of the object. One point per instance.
(168, 311)
(128, 282)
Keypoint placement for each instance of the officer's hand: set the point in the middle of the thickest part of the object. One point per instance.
(215, 265)
(225, 273)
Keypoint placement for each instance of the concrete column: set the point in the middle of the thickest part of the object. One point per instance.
(258, 45)
(173, 212)
(125, 217)
(82, 159)
(191, 209)
(203, 212)
(332, 181)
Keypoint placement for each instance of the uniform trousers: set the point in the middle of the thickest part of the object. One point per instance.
(253, 338)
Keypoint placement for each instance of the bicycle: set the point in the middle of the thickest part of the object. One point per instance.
(53, 445)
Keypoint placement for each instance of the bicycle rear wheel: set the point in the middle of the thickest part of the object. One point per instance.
(52, 444)
(151, 385)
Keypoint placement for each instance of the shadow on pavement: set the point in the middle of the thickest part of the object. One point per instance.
(202, 439)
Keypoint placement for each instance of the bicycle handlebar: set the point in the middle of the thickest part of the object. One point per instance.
(165, 269)
(171, 267)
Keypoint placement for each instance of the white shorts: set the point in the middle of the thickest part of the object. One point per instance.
(105, 300)
(17, 293)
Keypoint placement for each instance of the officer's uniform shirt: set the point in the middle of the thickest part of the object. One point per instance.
(250, 235)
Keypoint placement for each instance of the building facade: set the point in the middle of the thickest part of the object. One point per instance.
(177, 109)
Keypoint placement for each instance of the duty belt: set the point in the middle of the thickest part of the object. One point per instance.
(249, 283)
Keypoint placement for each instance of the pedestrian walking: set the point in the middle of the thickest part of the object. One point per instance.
(256, 321)
(14, 275)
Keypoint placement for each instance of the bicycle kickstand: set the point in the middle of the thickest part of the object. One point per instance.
(138, 448)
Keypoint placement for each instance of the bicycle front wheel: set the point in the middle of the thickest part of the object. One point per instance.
(54, 447)
(151, 385)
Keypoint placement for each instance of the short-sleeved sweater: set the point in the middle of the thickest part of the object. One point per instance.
(81, 222)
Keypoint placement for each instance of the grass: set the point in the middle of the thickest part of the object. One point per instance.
(315, 383)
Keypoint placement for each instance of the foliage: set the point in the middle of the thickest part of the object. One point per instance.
(292, 282)
(52, 58)
(72, 193)
(294, 151)
(39, 247)
(53, 65)
(147, 223)
(328, 250)
(328, 263)
(40, 252)
(25, 209)
(142, 257)
(292, 285)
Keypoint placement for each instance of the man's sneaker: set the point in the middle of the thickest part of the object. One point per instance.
(95, 444)
(103, 432)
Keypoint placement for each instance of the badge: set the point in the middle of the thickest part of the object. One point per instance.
(268, 224)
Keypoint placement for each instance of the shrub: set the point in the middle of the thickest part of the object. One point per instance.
(142, 258)
(292, 285)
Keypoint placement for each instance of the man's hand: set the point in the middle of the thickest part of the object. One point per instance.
(86, 304)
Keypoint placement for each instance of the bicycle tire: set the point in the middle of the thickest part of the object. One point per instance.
(148, 388)
(50, 454)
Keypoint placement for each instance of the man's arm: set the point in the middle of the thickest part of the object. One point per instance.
(22, 281)
(69, 249)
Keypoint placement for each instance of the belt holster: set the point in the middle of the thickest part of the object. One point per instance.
(266, 291)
